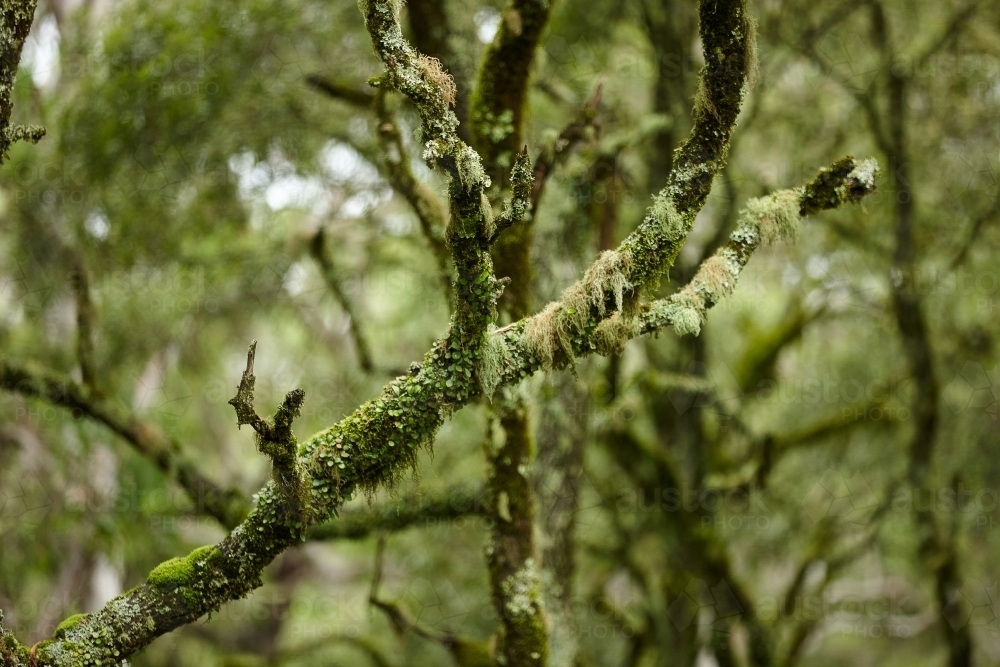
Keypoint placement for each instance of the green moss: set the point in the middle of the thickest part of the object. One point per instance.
(204, 554)
(171, 573)
(68, 624)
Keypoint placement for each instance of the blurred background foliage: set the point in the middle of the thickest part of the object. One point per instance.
(751, 480)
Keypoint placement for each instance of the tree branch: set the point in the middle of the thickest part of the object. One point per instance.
(374, 445)
(276, 441)
(559, 150)
(764, 220)
(432, 92)
(84, 323)
(15, 24)
(345, 92)
(414, 510)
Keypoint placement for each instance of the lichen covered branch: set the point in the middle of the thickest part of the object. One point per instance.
(470, 224)
(15, 23)
(276, 441)
(764, 220)
(514, 572)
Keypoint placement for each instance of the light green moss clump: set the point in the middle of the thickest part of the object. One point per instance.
(171, 573)
(179, 571)
(542, 334)
(69, 624)
(612, 334)
(685, 320)
(521, 590)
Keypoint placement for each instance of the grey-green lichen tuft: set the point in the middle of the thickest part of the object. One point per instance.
(492, 358)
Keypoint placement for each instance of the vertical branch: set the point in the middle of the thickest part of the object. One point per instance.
(562, 434)
(317, 248)
(15, 23)
(510, 553)
(934, 545)
(84, 323)
(431, 214)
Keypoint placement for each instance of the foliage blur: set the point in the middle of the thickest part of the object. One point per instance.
(759, 470)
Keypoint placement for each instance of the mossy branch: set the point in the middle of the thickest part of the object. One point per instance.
(519, 204)
(16, 17)
(764, 220)
(275, 439)
(470, 224)
(514, 571)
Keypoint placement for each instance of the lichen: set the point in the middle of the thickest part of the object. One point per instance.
(612, 334)
(521, 590)
(492, 357)
(774, 217)
(69, 624)
(439, 77)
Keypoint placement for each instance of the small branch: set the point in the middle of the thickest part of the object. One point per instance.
(560, 149)
(764, 220)
(519, 204)
(15, 24)
(345, 92)
(84, 323)
(276, 441)
(431, 212)
(317, 248)
(410, 511)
